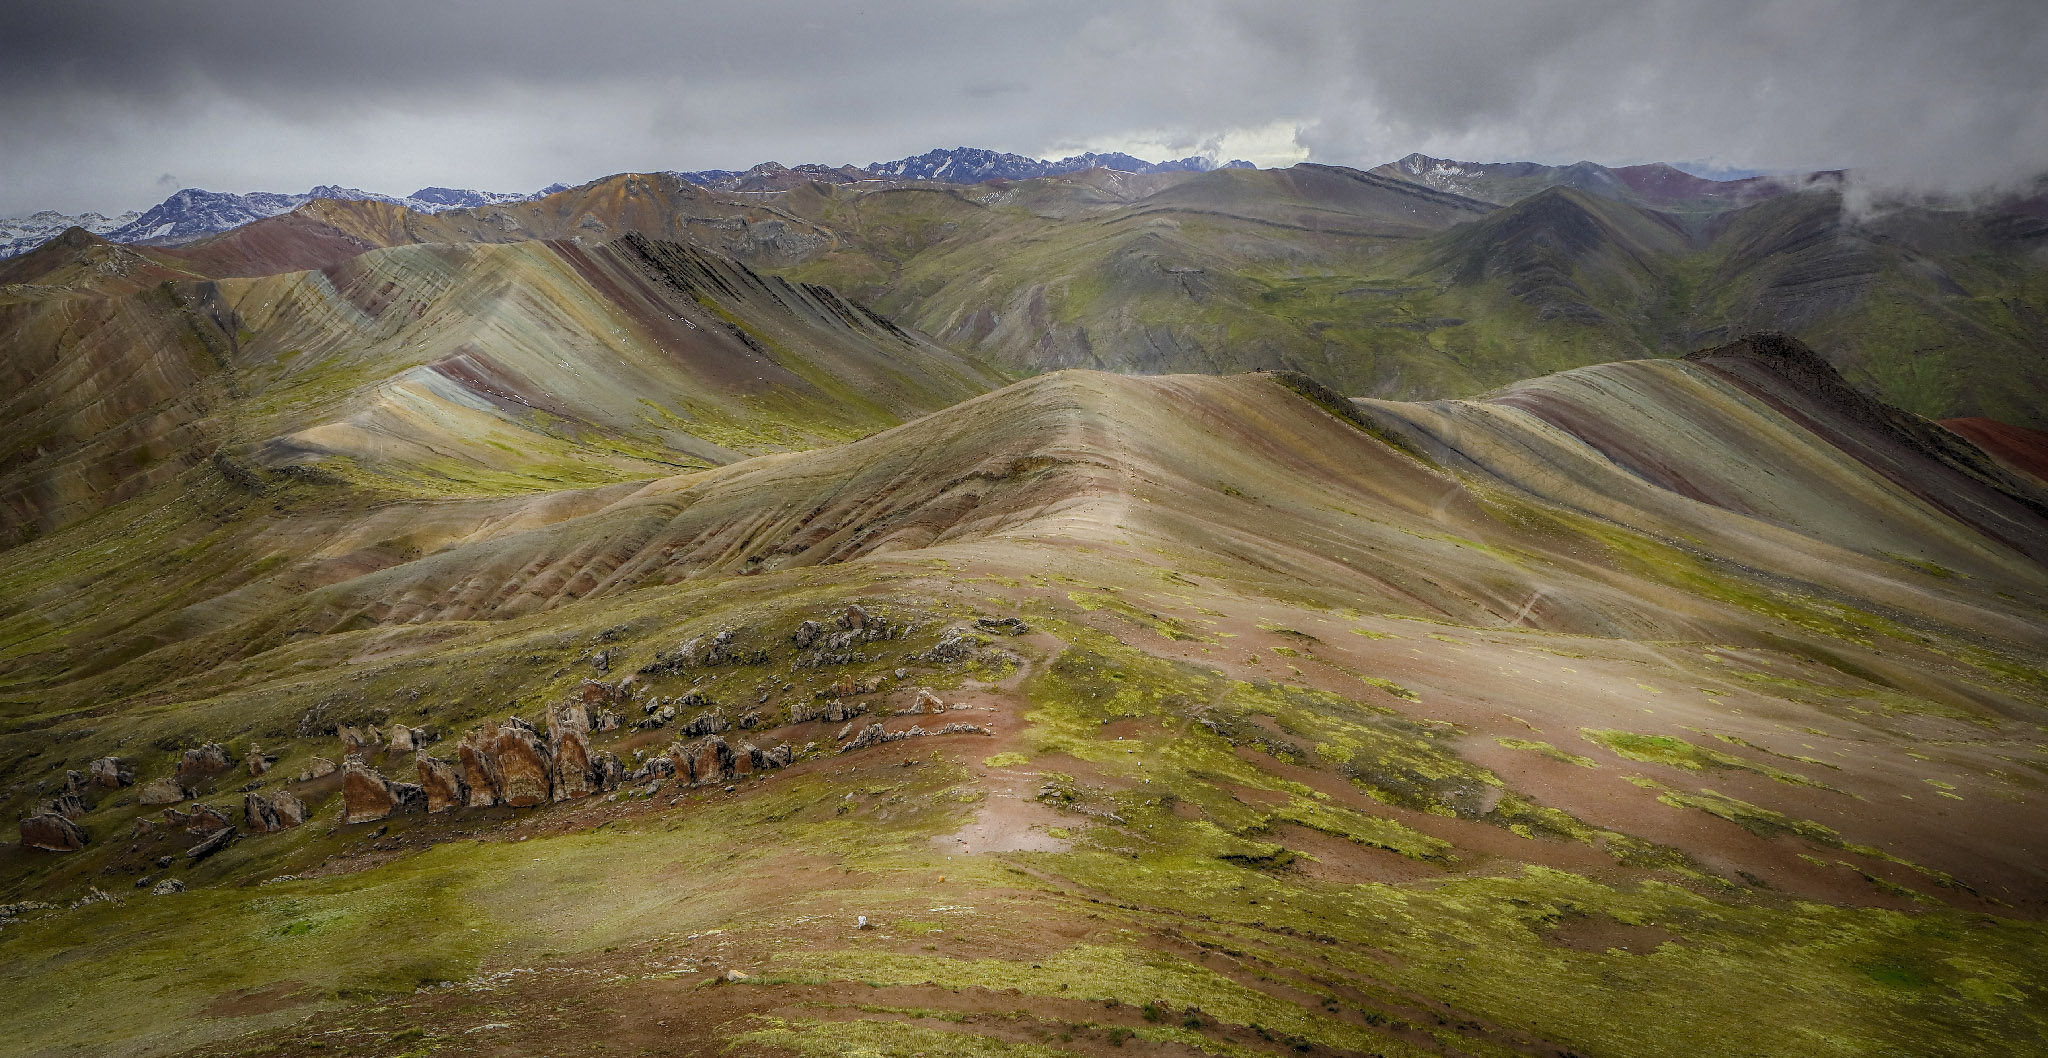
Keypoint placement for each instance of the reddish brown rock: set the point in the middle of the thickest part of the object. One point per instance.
(525, 774)
(205, 819)
(257, 761)
(442, 782)
(268, 815)
(199, 767)
(479, 768)
(570, 746)
(365, 795)
(111, 773)
(743, 761)
(160, 792)
(51, 833)
(707, 760)
(405, 740)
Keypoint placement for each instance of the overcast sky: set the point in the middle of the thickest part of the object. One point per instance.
(112, 105)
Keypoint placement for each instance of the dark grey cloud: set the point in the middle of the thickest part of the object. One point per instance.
(235, 95)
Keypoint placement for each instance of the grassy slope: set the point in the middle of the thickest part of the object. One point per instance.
(1259, 779)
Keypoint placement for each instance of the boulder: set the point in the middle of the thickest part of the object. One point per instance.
(605, 720)
(353, 741)
(67, 804)
(205, 819)
(160, 792)
(317, 768)
(167, 887)
(1009, 626)
(572, 715)
(266, 815)
(442, 782)
(743, 760)
(854, 618)
(525, 772)
(198, 767)
(928, 702)
(807, 633)
(479, 768)
(258, 761)
(51, 833)
(404, 740)
(365, 795)
(220, 840)
(111, 773)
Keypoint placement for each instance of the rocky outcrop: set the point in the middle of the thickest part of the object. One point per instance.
(199, 767)
(873, 735)
(51, 832)
(1008, 626)
(164, 791)
(268, 815)
(525, 772)
(479, 768)
(111, 773)
(834, 711)
(442, 782)
(367, 796)
(570, 745)
(702, 762)
(705, 651)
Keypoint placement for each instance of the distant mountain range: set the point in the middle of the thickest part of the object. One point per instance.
(1656, 185)
(193, 213)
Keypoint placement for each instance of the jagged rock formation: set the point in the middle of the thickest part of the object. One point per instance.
(268, 815)
(443, 782)
(198, 768)
(368, 796)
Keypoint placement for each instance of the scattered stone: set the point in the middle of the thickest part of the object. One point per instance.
(199, 766)
(955, 644)
(442, 782)
(111, 773)
(167, 887)
(1009, 626)
(51, 832)
(164, 791)
(873, 735)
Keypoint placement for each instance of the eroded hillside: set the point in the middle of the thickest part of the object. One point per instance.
(1664, 707)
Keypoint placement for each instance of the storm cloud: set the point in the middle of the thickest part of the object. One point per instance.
(103, 100)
